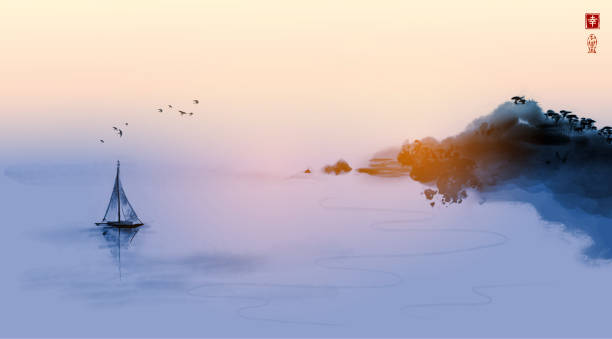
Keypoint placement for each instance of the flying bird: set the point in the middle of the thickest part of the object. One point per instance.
(169, 106)
(196, 101)
(160, 110)
(190, 113)
(115, 128)
(182, 113)
(102, 141)
(120, 133)
(126, 123)
(518, 99)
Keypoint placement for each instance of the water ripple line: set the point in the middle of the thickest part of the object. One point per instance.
(327, 263)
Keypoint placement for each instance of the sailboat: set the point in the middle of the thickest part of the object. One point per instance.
(119, 212)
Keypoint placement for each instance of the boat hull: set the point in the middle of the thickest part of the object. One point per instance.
(118, 224)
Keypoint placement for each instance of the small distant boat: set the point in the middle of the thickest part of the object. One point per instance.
(119, 212)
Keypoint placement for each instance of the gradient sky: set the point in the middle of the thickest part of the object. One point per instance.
(282, 83)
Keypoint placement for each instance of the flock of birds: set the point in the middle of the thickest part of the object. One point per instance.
(574, 123)
(195, 102)
(119, 131)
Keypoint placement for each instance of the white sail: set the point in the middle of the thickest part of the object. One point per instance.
(119, 210)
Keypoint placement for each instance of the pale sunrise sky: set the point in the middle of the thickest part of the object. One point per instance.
(283, 83)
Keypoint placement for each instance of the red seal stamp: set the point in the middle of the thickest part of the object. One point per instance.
(591, 20)
(592, 43)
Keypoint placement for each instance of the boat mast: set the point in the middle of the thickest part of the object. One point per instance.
(118, 194)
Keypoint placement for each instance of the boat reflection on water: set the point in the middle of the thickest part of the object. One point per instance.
(117, 239)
